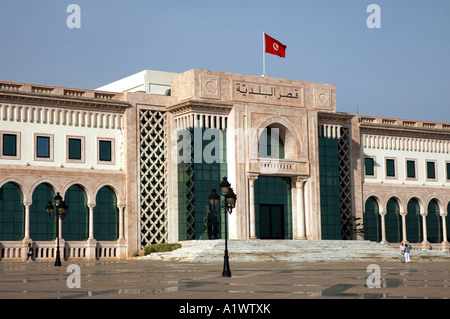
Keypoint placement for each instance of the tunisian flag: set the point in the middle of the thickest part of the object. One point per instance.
(274, 46)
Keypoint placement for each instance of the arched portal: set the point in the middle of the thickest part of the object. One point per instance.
(434, 222)
(12, 212)
(393, 221)
(414, 222)
(447, 221)
(75, 224)
(106, 215)
(277, 138)
(41, 226)
(372, 220)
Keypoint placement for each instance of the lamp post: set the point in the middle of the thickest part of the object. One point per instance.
(229, 204)
(60, 213)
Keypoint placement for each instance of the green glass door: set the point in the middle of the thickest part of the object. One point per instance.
(271, 221)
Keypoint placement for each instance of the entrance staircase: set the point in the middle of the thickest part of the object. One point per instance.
(291, 250)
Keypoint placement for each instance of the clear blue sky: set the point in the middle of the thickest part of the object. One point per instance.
(399, 70)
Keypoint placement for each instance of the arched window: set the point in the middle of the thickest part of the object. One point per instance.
(106, 222)
(270, 143)
(447, 221)
(413, 222)
(372, 220)
(41, 226)
(75, 225)
(12, 212)
(434, 223)
(393, 221)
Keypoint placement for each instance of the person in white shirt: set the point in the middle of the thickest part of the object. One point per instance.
(402, 251)
(407, 251)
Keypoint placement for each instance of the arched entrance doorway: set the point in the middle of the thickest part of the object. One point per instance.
(434, 222)
(372, 220)
(393, 221)
(12, 213)
(75, 225)
(414, 222)
(41, 226)
(106, 215)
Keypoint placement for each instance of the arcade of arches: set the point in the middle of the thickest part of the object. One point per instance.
(42, 228)
(418, 222)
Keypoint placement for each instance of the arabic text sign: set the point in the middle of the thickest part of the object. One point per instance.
(264, 93)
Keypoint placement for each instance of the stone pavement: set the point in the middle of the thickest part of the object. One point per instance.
(152, 279)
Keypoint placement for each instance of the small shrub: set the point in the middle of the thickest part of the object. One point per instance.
(159, 248)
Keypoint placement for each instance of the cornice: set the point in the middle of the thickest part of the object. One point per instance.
(67, 98)
(201, 106)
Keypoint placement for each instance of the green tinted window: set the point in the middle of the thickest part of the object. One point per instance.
(448, 170)
(105, 150)
(12, 213)
(431, 170)
(74, 148)
(329, 188)
(75, 224)
(414, 222)
(106, 222)
(43, 146)
(411, 169)
(368, 164)
(41, 226)
(372, 220)
(390, 167)
(9, 145)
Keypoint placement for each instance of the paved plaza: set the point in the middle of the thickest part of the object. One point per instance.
(150, 279)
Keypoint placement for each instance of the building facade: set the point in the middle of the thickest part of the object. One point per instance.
(136, 160)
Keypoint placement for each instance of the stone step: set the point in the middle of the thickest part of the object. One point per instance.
(291, 250)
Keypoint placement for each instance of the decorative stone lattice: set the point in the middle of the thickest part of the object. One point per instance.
(153, 177)
(188, 199)
(345, 184)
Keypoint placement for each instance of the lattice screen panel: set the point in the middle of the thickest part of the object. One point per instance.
(345, 184)
(153, 177)
(186, 188)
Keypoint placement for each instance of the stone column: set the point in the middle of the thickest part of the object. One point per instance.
(404, 235)
(383, 227)
(27, 220)
(425, 242)
(91, 220)
(26, 238)
(121, 218)
(445, 243)
(252, 217)
(121, 242)
(300, 208)
(91, 242)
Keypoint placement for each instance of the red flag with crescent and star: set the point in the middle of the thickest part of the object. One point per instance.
(274, 46)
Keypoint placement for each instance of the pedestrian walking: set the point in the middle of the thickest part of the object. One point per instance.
(402, 251)
(29, 253)
(407, 251)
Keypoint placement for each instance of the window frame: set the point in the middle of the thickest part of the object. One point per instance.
(435, 178)
(447, 171)
(112, 141)
(18, 145)
(386, 159)
(82, 150)
(373, 158)
(50, 147)
(414, 160)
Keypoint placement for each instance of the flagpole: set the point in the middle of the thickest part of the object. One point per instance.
(264, 56)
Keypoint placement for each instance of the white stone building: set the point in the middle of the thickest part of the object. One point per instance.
(136, 161)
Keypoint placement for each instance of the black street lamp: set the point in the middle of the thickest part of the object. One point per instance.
(60, 213)
(229, 204)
